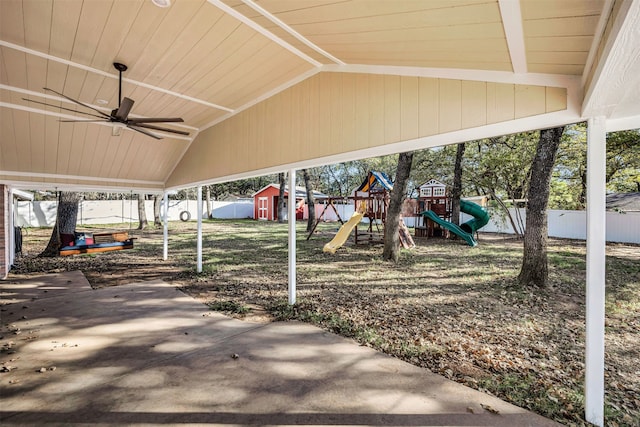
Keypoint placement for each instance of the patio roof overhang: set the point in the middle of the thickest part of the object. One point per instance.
(270, 85)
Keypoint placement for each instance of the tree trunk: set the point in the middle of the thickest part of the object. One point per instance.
(292, 194)
(207, 198)
(157, 218)
(391, 250)
(456, 191)
(311, 201)
(142, 213)
(66, 218)
(534, 271)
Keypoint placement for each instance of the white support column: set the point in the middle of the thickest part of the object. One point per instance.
(12, 230)
(199, 269)
(596, 242)
(165, 231)
(292, 236)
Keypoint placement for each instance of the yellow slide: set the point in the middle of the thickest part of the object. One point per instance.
(343, 234)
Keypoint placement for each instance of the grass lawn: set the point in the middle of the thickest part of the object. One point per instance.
(445, 306)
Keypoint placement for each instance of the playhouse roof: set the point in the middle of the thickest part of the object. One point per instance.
(301, 192)
(376, 181)
(433, 183)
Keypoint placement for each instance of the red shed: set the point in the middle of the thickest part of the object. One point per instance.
(265, 202)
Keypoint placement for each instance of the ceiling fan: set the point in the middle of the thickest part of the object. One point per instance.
(120, 114)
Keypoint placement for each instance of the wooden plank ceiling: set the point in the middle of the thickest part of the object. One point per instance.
(204, 60)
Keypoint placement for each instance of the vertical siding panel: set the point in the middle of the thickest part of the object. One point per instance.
(324, 121)
(530, 100)
(336, 113)
(556, 99)
(474, 104)
(349, 111)
(376, 110)
(314, 144)
(409, 108)
(500, 102)
(450, 105)
(391, 109)
(429, 101)
(362, 112)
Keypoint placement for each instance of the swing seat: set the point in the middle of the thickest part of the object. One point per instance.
(87, 243)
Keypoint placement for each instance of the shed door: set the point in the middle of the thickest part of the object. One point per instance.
(263, 210)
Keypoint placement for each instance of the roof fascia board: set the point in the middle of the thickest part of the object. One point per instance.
(80, 188)
(615, 69)
(543, 121)
(513, 29)
(78, 178)
(268, 34)
(291, 31)
(110, 75)
(624, 123)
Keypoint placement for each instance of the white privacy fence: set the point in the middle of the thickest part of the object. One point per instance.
(620, 227)
(43, 214)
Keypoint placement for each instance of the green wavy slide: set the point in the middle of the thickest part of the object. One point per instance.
(468, 229)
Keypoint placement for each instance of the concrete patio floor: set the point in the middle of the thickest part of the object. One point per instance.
(147, 354)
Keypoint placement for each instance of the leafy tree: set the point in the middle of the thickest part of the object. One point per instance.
(391, 250)
(157, 220)
(66, 218)
(534, 271)
(456, 191)
(311, 201)
(142, 213)
(623, 161)
(292, 197)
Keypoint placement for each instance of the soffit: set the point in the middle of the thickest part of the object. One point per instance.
(206, 61)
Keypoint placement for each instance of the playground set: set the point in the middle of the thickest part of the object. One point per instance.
(432, 214)
(371, 202)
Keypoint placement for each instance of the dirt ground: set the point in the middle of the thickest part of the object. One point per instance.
(453, 309)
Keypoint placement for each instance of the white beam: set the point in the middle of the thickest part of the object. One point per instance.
(199, 268)
(165, 227)
(596, 235)
(618, 67)
(292, 236)
(512, 23)
(109, 75)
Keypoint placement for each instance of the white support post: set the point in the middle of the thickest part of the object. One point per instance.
(199, 269)
(12, 230)
(596, 243)
(165, 231)
(292, 236)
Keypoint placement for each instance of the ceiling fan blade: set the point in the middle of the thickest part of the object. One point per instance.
(123, 111)
(84, 121)
(62, 108)
(102, 113)
(156, 120)
(144, 132)
(144, 125)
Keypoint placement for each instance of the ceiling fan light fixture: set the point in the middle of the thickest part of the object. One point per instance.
(116, 130)
(161, 3)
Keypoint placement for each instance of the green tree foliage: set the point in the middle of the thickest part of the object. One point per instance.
(623, 161)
